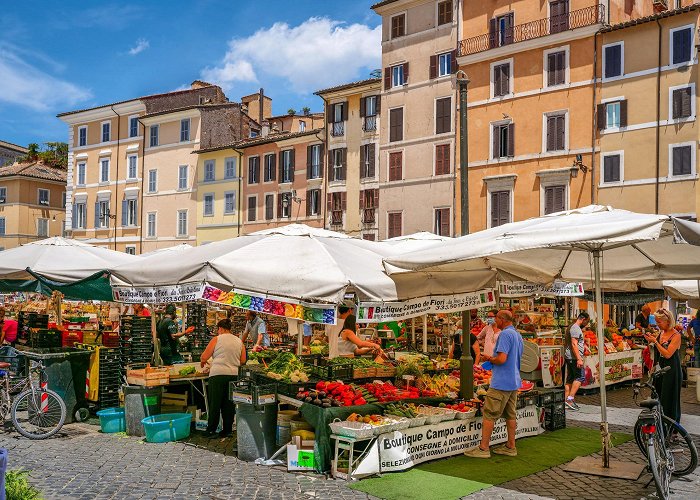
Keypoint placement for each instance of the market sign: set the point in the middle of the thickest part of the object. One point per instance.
(525, 289)
(379, 312)
(401, 450)
(186, 292)
(619, 367)
(276, 306)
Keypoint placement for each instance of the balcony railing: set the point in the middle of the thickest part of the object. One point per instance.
(588, 16)
(338, 129)
(368, 216)
(370, 123)
(336, 217)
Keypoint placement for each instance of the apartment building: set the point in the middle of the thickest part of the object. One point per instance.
(417, 135)
(283, 175)
(10, 153)
(32, 203)
(647, 116)
(295, 122)
(352, 135)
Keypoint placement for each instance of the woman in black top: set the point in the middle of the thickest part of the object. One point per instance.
(667, 345)
(456, 348)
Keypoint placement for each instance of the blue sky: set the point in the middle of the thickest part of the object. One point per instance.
(71, 55)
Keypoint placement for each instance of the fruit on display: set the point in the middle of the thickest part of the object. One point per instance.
(318, 398)
(438, 385)
(401, 410)
(386, 391)
(366, 419)
(481, 376)
(464, 406)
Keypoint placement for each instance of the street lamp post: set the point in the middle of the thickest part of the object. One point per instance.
(466, 362)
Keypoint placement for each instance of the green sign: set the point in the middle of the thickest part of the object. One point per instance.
(306, 459)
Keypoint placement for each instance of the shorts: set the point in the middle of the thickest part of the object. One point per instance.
(499, 404)
(573, 372)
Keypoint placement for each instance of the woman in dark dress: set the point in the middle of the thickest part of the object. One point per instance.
(667, 345)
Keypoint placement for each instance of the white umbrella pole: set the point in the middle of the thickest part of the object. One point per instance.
(601, 361)
(425, 333)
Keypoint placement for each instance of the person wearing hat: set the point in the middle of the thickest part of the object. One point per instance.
(167, 332)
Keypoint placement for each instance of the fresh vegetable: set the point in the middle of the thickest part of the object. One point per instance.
(401, 410)
(188, 370)
(386, 391)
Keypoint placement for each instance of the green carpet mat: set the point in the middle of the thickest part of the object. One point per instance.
(453, 478)
(418, 484)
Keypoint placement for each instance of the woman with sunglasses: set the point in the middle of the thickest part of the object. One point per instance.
(667, 344)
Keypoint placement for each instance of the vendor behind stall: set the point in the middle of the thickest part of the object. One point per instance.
(349, 344)
(256, 328)
(642, 320)
(456, 347)
(167, 331)
(141, 310)
(8, 329)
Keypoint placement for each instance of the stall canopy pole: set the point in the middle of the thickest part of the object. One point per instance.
(413, 331)
(466, 362)
(601, 360)
(425, 333)
(300, 336)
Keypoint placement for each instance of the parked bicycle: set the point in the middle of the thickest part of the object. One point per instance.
(36, 411)
(669, 449)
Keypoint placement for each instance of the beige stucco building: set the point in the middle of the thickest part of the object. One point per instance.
(417, 130)
(353, 120)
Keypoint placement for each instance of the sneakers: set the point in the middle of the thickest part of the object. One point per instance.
(477, 453)
(571, 405)
(575, 405)
(504, 450)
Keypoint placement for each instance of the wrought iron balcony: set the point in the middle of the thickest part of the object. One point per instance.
(580, 18)
(370, 123)
(338, 129)
(368, 216)
(337, 217)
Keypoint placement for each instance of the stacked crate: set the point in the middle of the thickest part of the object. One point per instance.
(135, 341)
(552, 403)
(196, 316)
(110, 377)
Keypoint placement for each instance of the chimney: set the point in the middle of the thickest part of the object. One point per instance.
(199, 84)
(261, 100)
(265, 128)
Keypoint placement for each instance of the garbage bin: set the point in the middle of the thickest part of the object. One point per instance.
(139, 403)
(256, 430)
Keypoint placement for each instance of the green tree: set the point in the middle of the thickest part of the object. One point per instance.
(55, 154)
(306, 110)
(32, 153)
(291, 111)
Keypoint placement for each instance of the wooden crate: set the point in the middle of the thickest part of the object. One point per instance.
(364, 372)
(148, 377)
(385, 371)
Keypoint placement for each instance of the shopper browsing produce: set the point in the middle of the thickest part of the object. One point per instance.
(141, 310)
(167, 332)
(667, 344)
(575, 346)
(349, 344)
(227, 354)
(502, 394)
(456, 347)
(333, 331)
(256, 328)
(489, 334)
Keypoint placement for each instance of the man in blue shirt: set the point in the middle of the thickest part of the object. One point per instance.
(694, 329)
(502, 394)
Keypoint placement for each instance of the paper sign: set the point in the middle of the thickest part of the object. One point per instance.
(186, 292)
(525, 289)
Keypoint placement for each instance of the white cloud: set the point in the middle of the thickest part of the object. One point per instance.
(141, 45)
(318, 53)
(26, 85)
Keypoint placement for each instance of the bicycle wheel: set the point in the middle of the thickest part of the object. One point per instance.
(38, 414)
(683, 449)
(658, 466)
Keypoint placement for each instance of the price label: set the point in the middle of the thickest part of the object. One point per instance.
(408, 377)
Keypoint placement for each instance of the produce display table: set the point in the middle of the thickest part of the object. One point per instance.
(204, 379)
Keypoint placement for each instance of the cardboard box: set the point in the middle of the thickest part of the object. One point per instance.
(300, 455)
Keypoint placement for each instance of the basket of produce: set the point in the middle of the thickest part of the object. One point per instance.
(391, 425)
(463, 411)
(408, 411)
(433, 415)
(358, 429)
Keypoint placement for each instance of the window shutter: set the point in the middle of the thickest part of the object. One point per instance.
(453, 61)
(561, 132)
(561, 67)
(363, 157)
(504, 207)
(551, 69)
(363, 103)
(74, 220)
(273, 171)
(344, 200)
(308, 202)
(330, 110)
(497, 81)
(279, 205)
(387, 80)
(558, 201)
(405, 72)
(329, 202)
(125, 207)
(257, 169)
(309, 154)
(623, 113)
(600, 117)
(677, 161)
(362, 199)
(281, 166)
(371, 152)
(548, 200)
(493, 33)
(511, 139)
(378, 102)
(344, 172)
(345, 111)
(376, 198)
(494, 209)
(97, 215)
(496, 145)
(505, 79)
(433, 67)
(445, 222)
(292, 162)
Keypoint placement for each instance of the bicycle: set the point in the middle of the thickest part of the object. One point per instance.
(664, 442)
(36, 411)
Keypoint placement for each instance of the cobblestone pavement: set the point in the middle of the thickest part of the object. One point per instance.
(621, 397)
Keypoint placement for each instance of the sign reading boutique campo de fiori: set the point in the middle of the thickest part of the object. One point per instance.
(401, 450)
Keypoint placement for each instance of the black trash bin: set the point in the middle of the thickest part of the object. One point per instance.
(139, 403)
(256, 430)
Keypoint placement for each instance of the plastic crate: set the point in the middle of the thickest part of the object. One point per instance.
(527, 399)
(555, 416)
(339, 371)
(550, 396)
(252, 393)
(292, 388)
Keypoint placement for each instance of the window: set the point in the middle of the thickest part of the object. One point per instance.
(338, 168)
(501, 79)
(182, 177)
(302, 126)
(2, 226)
(43, 197)
(339, 112)
(369, 107)
(130, 212)
(682, 45)
(442, 221)
(102, 214)
(500, 208)
(395, 224)
(3, 195)
(185, 130)
(682, 102)
(269, 206)
(79, 216)
(556, 68)
(445, 62)
(443, 115)
(133, 126)
(611, 168)
(612, 115)
(613, 64)
(229, 168)
(131, 167)
(367, 161)
(337, 204)
(106, 131)
(152, 181)
(442, 159)
(81, 174)
(444, 15)
(131, 250)
(554, 200)
(682, 160)
(208, 205)
(42, 228)
(270, 167)
(398, 26)
(287, 173)
(313, 202)
(285, 205)
(252, 208)
(209, 170)
(153, 132)
(82, 136)
(313, 161)
(398, 78)
(63, 199)
(253, 170)
(369, 202)
(151, 225)
(558, 16)
(104, 170)
(229, 202)
(396, 166)
(501, 30)
(182, 222)
(556, 132)
(503, 140)
(396, 125)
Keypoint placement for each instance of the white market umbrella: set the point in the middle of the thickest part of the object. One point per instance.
(59, 259)
(168, 250)
(595, 243)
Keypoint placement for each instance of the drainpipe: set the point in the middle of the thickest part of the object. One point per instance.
(116, 184)
(658, 118)
(324, 201)
(143, 178)
(240, 187)
(594, 124)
